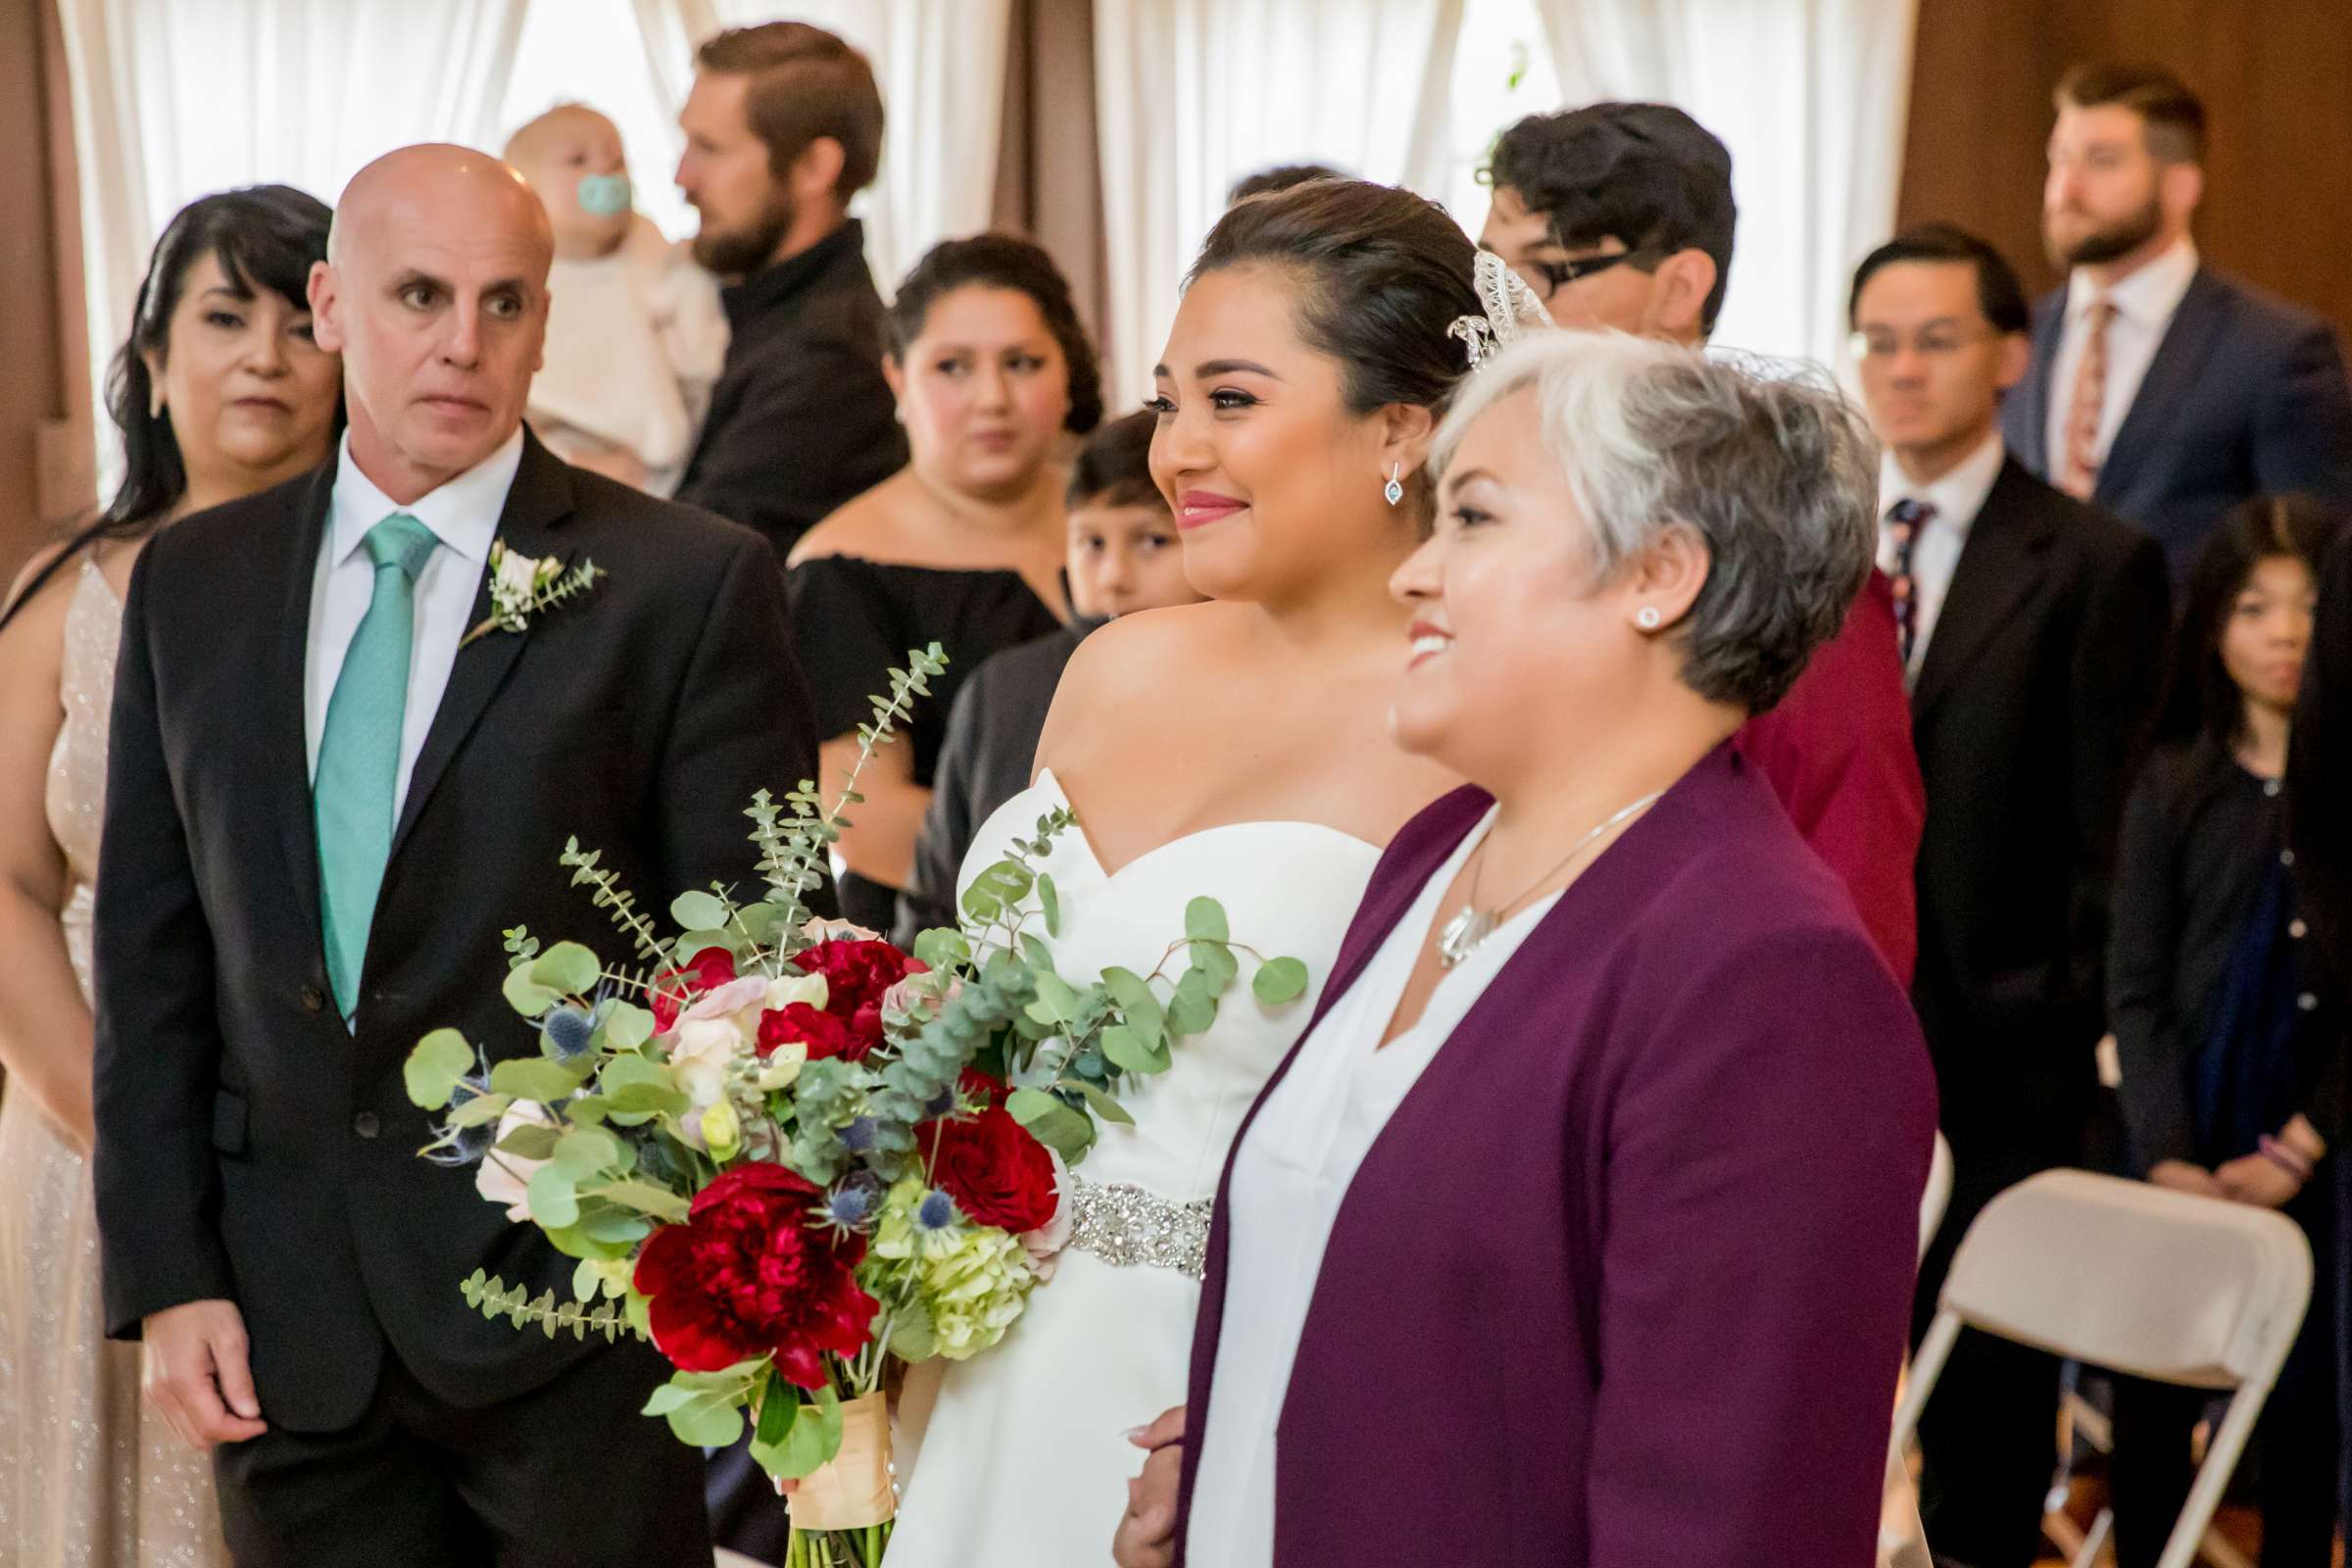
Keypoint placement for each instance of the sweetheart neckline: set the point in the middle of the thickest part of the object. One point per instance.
(1045, 778)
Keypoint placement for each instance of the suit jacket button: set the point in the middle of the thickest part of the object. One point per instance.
(365, 1124)
(313, 1000)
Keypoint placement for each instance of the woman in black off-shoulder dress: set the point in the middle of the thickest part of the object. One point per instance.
(962, 547)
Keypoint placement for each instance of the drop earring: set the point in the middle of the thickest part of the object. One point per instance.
(1648, 617)
(1393, 490)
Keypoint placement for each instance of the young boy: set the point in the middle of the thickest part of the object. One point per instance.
(1124, 557)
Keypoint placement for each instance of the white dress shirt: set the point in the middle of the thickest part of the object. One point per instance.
(1957, 497)
(2144, 304)
(1290, 1177)
(462, 514)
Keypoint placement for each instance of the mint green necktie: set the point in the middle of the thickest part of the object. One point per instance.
(359, 753)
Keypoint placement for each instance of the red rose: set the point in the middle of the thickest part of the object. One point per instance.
(823, 1033)
(751, 1274)
(675, 989)
(858, 976)
(996, 1171)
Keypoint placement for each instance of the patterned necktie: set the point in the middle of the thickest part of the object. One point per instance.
(1904, 520)
(2079, 473)
(359, 753)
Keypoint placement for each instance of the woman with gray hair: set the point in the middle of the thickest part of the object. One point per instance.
(1579, 1227)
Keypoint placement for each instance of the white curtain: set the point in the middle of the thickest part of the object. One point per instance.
(1811, 98)
(1191, 94)
(941, 66)
(177, 98)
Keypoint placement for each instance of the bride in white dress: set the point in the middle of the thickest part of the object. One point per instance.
(1235, 749)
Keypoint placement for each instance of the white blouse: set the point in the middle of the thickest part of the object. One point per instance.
(1290, 1176)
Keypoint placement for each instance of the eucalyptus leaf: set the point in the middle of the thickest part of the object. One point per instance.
(568, 969)
(480, 1111)
(1204, 921)
(645, 1198)
(1215, 960)
(1052, 1123)
(1049, 900)
(1129, 1050)
(1279, 980)
(533, 1078)
(942, 948)
(584, 1151)
(1138, 1003)
(627, 1025)
(1193, 1007)
(586, 1281)
(554, 1202)
(1105, 1107)
(529, 1140)
(698, 911)
(434, 1066)
(814, 1440)
(701, 1417)
(525, 995)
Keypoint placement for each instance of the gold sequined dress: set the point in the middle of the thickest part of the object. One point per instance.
(89, 1477)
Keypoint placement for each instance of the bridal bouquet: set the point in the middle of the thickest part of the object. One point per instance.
(784, 1151)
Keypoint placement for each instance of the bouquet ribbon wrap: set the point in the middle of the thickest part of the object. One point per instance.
(852, 1490)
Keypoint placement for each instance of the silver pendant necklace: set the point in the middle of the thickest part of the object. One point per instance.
(1460, 936)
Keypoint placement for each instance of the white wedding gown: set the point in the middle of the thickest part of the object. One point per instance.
(1021, 1462)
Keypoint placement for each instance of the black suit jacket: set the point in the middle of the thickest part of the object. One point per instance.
(2246, 396)
(2031, 706)
(249, 1146)
(801, 420)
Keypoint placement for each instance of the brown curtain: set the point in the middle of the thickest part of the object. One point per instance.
(1050, 172)
(46, 470)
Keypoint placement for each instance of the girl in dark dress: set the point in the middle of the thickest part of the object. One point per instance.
(963, 547)
(2230, 1041)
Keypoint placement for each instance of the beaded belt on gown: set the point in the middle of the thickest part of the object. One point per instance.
(1125, 1225)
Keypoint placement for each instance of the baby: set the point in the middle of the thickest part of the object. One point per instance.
(635, 334)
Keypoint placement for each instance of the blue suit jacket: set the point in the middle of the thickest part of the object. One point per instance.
(2246, 396)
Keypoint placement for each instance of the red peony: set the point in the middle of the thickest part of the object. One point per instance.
(858, 976)
(823, 1033)
(675, 989)
(750, 1274)
(996, 1171)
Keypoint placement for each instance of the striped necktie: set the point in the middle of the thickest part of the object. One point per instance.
(1904, 520)
(2079, 472)
(359, 753)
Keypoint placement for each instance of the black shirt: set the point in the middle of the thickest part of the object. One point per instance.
(2199, 835)
(990, 752)
(801, 420)
(852, 622)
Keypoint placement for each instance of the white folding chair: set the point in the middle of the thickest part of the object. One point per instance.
(1938, 1195)
(1901, 1542)
(2149, 1282)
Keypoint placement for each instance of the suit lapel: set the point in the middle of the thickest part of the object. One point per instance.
(1996, 571)
(2163, 391)
(536, 504)
(286, 755)
(2033, 439)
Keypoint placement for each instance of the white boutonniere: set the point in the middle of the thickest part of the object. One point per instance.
(522, 586)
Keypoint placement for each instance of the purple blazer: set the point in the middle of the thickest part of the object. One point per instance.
(1626, 1279)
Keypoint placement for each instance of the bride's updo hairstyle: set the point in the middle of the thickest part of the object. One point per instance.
(1385, 275)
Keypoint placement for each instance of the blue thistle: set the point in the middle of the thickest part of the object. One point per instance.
(943, 1104)
(469, 1143)
(936, 1212)
(858, 1136)
(568, 1031)
(850, 1207)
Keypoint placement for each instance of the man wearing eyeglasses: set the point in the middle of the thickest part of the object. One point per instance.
(1620, 216)
(2029, 622)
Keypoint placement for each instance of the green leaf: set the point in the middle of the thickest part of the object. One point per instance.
(1136, 1002)
(812, 1440)
(639, 1086)
(1036, 954)
(1204, 921)
(1193, 1007)
(646, 1198)
(529, 1140)
(1279, 980)
(525, 995)
(434, 1066)
(585, 1281)
(554, 1202)
(533, 1078)
(584, 1151)
(566, 968)
(702, 1416)
(1052, 1123)
(1006, 882)
(1216, 962)
(627, 1025)
(1131, 1051)
(698, 911)
(1057, 1003)
(943, 947)
(1050, 901)
(480, 1111)
(1105, 1107)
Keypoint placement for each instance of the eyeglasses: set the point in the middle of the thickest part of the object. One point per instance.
(1557, 275)
(1935, 343)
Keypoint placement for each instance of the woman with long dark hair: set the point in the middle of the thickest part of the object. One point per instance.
(218, 392)
(2231, 1044)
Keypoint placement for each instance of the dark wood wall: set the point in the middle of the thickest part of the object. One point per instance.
(2277, 80)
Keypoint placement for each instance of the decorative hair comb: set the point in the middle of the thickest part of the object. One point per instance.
(1511, 309)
